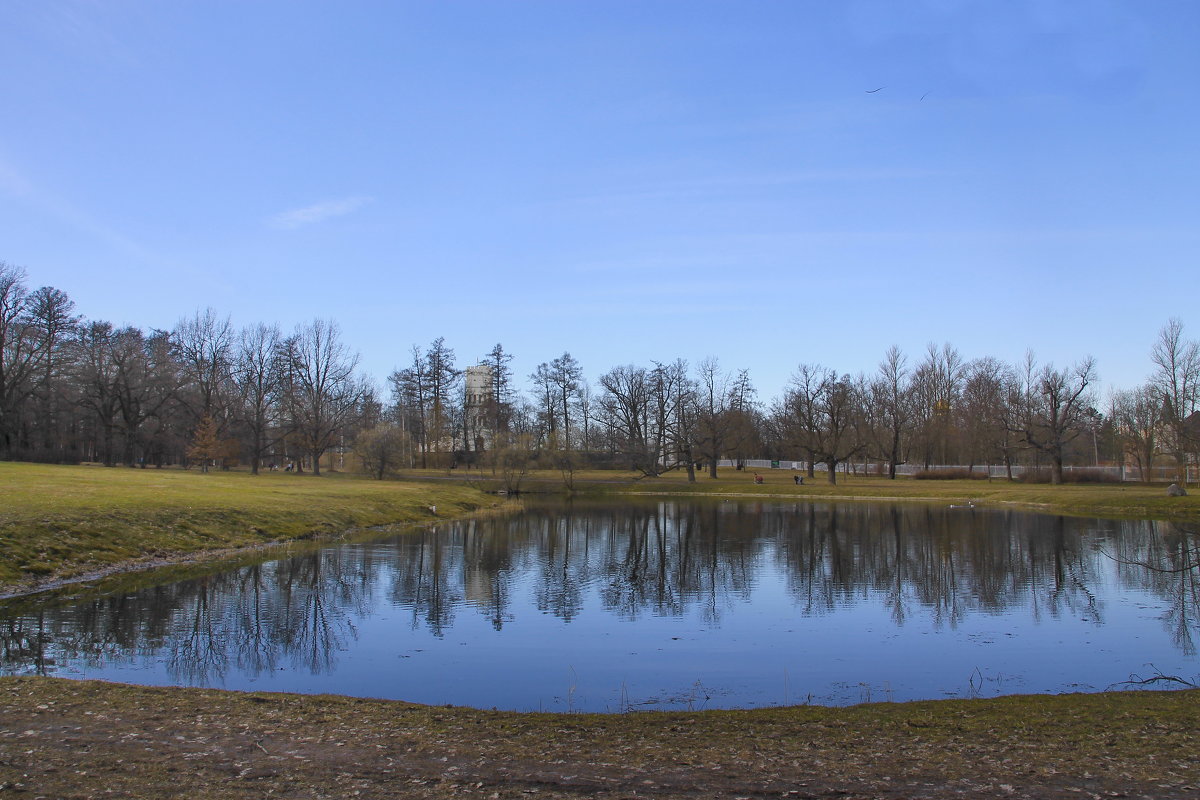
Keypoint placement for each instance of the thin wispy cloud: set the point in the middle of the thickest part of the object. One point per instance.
(317, 212)
(14, 182)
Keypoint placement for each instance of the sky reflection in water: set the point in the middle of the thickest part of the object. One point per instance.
(660, 605)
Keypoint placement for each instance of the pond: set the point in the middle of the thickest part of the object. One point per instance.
(657, 605)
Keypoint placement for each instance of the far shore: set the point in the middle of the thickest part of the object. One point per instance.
(62, 524)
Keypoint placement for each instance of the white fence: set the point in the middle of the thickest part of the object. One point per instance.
(1117, 473)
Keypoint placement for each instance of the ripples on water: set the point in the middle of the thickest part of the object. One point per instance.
(666, 605)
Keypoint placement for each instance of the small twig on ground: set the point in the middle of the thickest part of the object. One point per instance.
(1158, 677)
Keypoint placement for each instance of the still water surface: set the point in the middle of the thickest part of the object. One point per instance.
(659, 605)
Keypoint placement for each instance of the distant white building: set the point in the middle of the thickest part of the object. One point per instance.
(477, 390)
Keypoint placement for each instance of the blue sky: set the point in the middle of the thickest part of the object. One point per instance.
(627, 181)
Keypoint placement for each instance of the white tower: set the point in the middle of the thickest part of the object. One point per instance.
(477, 387)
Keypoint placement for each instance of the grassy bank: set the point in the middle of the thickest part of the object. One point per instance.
(63, 738)
(61, 522)
(64, 521)
(1111, 500)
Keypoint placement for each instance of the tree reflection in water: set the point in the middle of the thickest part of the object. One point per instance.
(1165, 561)
(939, 567)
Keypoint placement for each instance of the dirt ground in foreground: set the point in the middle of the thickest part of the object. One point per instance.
(67, 739)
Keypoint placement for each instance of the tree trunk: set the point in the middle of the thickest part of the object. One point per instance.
(108, 445)
(254, 457)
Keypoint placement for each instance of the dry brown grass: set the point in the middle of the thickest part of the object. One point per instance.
(61, 738)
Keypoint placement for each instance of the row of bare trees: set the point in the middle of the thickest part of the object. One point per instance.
(946, 410)
(943, 411)
(1159, 420)
(73, 389)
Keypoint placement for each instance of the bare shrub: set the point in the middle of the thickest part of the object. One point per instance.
(1091, 475)
(949, 474)
(1070, 475)
(1033, 475)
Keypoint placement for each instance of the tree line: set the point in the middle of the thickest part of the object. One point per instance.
(205, 392)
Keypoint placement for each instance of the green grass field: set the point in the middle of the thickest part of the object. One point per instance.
(64, 521)
(1128, 500)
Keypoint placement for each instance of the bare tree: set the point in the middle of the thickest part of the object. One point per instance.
(823, 412)
(1137, 415)
(584, 398)
(322, 388)
(204, 348)
(714, 403)
(796, 416)
(727, 420)
(257, 374)
(51, 314)
(987, 411)
(442, 380)
(410, 395)
(547, 401)
(1055, 409)
(21, 353)
(745, 420)
(890, 410)
(680, 415)
(381, 448)
(565, 373)
(95, 377)
(1177, 381)
(145, 380)
(625, 403)
(671, 406)
(937, 383)
(499, 403)
(651, 416)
